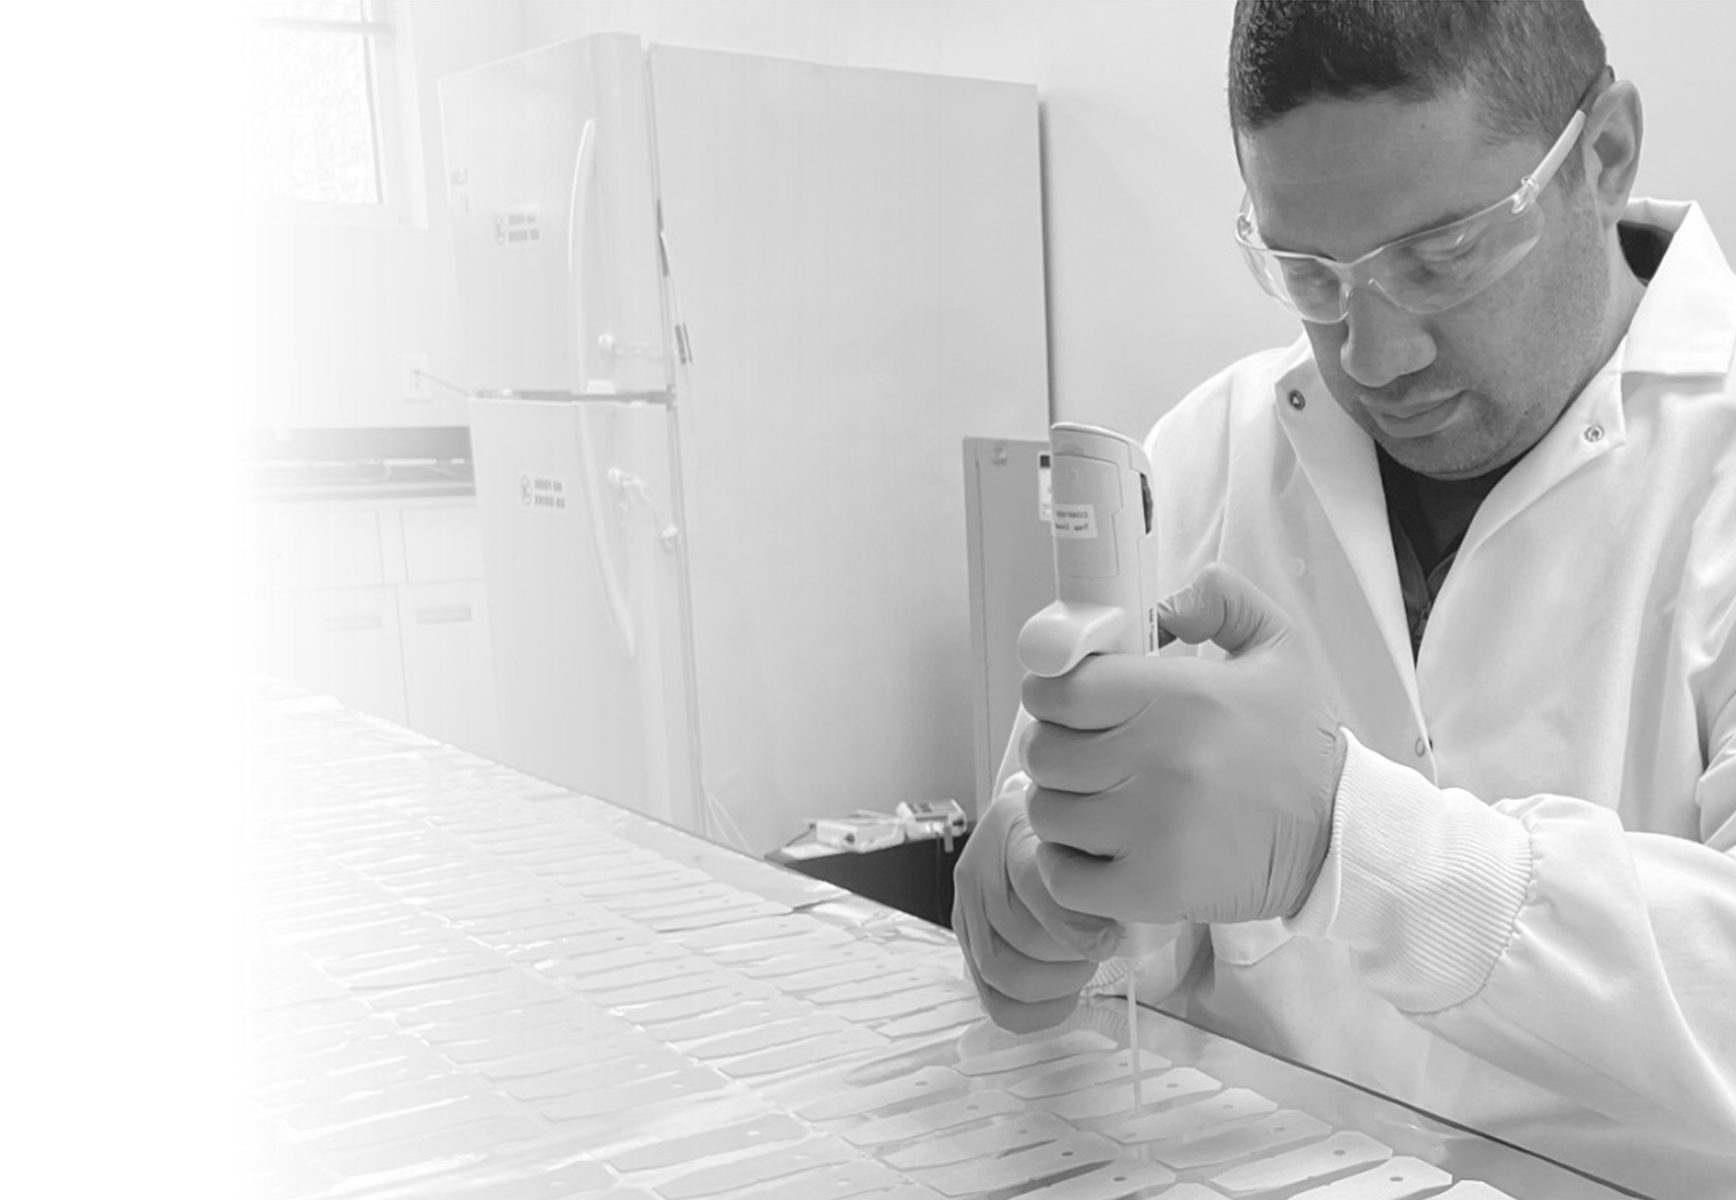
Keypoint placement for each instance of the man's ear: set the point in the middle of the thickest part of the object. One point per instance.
(1611, 148)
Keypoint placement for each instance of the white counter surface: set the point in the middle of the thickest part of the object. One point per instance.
(471, 983)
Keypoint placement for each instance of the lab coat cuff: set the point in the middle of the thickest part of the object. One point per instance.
(1422, 884)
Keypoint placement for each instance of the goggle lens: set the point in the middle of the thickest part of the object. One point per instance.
(1426, 274)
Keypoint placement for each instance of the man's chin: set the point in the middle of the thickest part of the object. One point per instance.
(1438, 456)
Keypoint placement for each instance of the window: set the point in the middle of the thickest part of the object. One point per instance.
(334, 129)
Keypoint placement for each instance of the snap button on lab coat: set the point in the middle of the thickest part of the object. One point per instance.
(1298, 401)
(1299, 567)
(1422, 747)
(1594, 433)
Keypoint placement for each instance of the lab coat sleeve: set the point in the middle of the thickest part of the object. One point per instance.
(1540, 935)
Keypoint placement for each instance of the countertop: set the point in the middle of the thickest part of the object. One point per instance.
(358, 464)
(358, 480)
(468, 982)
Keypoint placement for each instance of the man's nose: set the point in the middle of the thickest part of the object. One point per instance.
(1382, 342)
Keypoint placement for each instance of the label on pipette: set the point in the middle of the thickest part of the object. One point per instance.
(1075, 521)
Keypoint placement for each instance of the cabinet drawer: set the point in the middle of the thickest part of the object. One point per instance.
(340, 642)
(312, 548)
(442, 543)
(448, 670)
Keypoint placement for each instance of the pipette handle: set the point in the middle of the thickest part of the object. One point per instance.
(1100, 489)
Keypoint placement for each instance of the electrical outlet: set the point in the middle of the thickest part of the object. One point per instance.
(413, 378)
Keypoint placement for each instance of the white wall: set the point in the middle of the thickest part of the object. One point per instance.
(1679, 56)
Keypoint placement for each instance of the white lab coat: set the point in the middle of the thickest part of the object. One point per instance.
(1527, 918)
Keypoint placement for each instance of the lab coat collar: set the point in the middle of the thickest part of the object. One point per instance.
(1686, 324)
(1339, 460)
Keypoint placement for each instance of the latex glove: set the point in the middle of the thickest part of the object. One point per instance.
(1185, 789)
(1029, 957)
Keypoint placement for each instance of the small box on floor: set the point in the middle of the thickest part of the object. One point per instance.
(861, 831)
(943, 819)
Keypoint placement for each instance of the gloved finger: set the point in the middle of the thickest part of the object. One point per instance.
(979, 868)
(996, 930)
(1016, 1016)
(1004, 976)
(1091, 937)
(1068, 760)
(966, 920)
(1029, 980)
(1102, 692)
(1223, 607)
(1075, 821)
(997, 875)
(1010, 919)
(1108, 887)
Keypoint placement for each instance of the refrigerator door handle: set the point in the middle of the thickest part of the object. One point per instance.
(578, 229)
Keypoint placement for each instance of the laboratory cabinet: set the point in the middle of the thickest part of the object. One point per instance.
(913, 877)
(379, 603)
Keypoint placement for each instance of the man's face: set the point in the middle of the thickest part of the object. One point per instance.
(1451, 394)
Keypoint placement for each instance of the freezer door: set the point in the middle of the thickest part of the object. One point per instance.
(583, 571)
(858, 258)
(549, 180)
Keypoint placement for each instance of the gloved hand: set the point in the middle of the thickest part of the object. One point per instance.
(1029, 957)
(1182, 789)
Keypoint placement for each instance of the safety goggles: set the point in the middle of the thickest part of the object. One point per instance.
(1425, 272)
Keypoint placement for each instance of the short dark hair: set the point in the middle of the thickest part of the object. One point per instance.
(1530, 61)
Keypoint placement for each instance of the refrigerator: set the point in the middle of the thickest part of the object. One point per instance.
(726, 320)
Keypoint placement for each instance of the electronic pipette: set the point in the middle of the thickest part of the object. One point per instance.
(1105, 583)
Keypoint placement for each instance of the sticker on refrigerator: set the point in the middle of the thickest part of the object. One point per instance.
(537, 492)
(517, 226)
(1075, 520)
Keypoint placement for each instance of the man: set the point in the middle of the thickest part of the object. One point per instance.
(1444, 802)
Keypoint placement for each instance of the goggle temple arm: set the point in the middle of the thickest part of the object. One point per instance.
(1533, 184)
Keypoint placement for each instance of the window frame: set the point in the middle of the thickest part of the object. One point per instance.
(394, 104)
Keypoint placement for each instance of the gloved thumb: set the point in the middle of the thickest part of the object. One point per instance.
(1221, 606)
